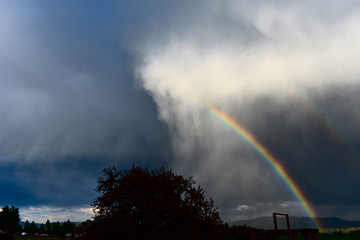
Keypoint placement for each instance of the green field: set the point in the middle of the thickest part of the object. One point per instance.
(339, 236)
(328, 237)
(41, 238)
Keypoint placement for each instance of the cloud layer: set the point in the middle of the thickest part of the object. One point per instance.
(87, 84)
(280, 70)
(69, 106)
(64, 95)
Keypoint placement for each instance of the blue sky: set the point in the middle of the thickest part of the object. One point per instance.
(88, 84)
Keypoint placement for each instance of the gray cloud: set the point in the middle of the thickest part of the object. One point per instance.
(69, 107)
(64, 93)
(287, 74)
(72, 99)
(53, 214)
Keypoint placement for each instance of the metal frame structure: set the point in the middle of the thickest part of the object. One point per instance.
(259, 234)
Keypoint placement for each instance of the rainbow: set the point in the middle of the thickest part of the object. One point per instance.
(316, 112)
(247, 136)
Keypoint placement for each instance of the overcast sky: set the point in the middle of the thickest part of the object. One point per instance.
(88, 84)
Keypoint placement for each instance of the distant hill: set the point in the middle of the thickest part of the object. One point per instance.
(21, 223)
(296, 222)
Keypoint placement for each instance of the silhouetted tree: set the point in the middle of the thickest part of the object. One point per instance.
(156, 204)
(48, 229)
(27, 227)
(9, 219)
(42, 229)
(67, 227)
(33, 228)
(56, 228)
(85, 224)
(79, 230)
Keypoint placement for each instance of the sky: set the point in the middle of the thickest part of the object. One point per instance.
(88, 84)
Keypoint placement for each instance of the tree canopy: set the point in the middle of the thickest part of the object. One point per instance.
(9, 219)
(156, 204)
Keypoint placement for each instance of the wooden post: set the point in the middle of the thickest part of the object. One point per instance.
(287, 221)
(275, 226)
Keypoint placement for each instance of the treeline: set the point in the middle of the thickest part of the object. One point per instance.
(54, 228)
(10, 219)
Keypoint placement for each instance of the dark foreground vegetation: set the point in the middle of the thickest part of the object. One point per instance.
(142, 204)
(231, 235)
(345, 236)
(156, 204)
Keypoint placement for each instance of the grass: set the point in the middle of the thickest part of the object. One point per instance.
(339, 236)
(328, 237)
(40, 238)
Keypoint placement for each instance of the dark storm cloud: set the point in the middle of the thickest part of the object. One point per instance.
(79, 80)
(13, 192)
(69, 106)
(67, 86)
(282, 70)
(306, 147)
(323, 165)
